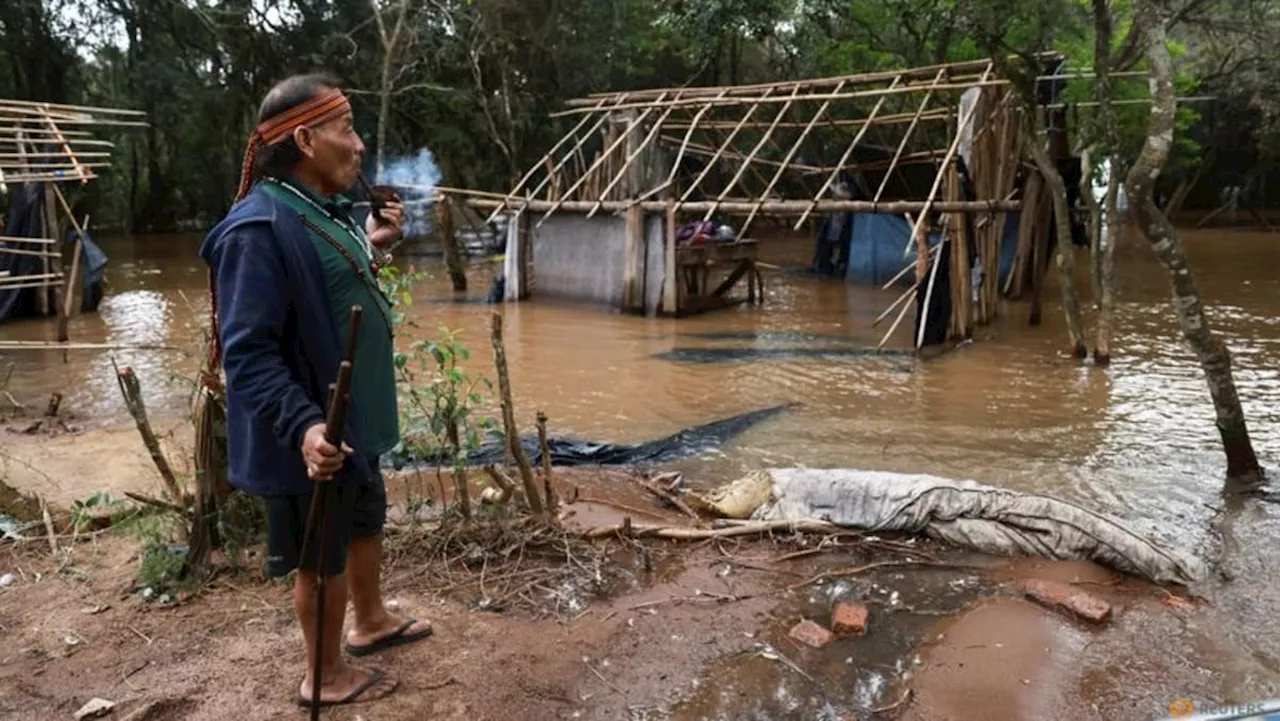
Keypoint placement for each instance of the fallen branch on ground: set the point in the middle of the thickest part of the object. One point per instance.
(668, 498)
(157, 503)
(751, 528)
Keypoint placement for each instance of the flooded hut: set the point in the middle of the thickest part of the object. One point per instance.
(908, 180)
(47, 258)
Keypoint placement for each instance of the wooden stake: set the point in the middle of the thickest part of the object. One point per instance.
(461, 489)
(544, 450)
(510, 428)
(132, 392)
(68, 292)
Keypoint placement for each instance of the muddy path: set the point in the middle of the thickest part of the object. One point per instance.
(681, 632)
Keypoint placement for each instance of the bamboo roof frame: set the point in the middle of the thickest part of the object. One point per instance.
(768, 142)
(54, 142)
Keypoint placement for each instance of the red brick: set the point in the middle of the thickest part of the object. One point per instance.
(810, 634)
(1053, 593)
(849, 619)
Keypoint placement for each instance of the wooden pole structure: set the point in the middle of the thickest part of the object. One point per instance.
(631, 157)
(603, 156)
(551, 153)
(771, 207)
(835, 172)
(711, 163)
(754, 152)
(907, 135)
(922, 246)
(684, 146)
(795, 147)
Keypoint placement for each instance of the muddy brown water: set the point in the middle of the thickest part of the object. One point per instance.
(1135, 440)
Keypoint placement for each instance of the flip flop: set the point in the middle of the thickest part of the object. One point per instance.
(375, 677)
(397, 637)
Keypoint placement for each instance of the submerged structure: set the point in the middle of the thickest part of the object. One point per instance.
(46, 253)
(652, 201)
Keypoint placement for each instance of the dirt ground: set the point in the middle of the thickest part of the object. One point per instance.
(681, 631)
(701, 634)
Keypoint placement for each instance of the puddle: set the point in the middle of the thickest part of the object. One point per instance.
(780, 679)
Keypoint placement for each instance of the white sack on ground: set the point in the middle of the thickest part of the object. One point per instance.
(971, 515)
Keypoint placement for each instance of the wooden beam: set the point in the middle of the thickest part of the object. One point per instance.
(770, 207)
(694, 102)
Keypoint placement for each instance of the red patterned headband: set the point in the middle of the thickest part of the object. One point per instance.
(321, 109)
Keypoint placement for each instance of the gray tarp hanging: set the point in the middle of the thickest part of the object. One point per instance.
(971, 515)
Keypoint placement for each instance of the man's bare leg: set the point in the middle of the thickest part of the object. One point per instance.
(364, 577)
(339, 677)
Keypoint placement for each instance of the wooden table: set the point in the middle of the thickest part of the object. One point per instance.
(694, 265)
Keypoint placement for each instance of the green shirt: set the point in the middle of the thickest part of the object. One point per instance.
(373, 381)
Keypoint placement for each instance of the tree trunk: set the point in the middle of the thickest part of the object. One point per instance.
(1094, 229)
(1215, 359)
(384, 111)
(1104, 261)
(1066, 251)
(461, 490)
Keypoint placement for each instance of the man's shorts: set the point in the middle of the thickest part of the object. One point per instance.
(355, 510)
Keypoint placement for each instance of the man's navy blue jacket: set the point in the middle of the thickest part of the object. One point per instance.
(280, 350)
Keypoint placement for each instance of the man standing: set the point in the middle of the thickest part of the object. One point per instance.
(287, 264)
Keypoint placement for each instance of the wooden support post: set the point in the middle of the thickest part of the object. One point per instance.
(69, 282)
(50, 231)
(670, 299)
(633, 269)
(449, 244)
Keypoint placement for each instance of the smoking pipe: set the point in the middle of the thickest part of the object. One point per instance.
(378, 195)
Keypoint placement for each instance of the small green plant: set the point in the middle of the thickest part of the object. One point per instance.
(439, 420)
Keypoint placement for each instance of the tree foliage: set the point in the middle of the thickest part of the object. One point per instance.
(474, 80)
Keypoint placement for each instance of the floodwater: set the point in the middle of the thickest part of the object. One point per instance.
(1135, 440)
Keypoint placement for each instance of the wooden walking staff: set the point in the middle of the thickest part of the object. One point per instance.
(318, 517)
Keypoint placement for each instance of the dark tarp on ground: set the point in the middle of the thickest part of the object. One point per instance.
(25, 219)
(576, 452)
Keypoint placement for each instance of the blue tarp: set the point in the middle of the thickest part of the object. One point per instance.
(877, 241)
